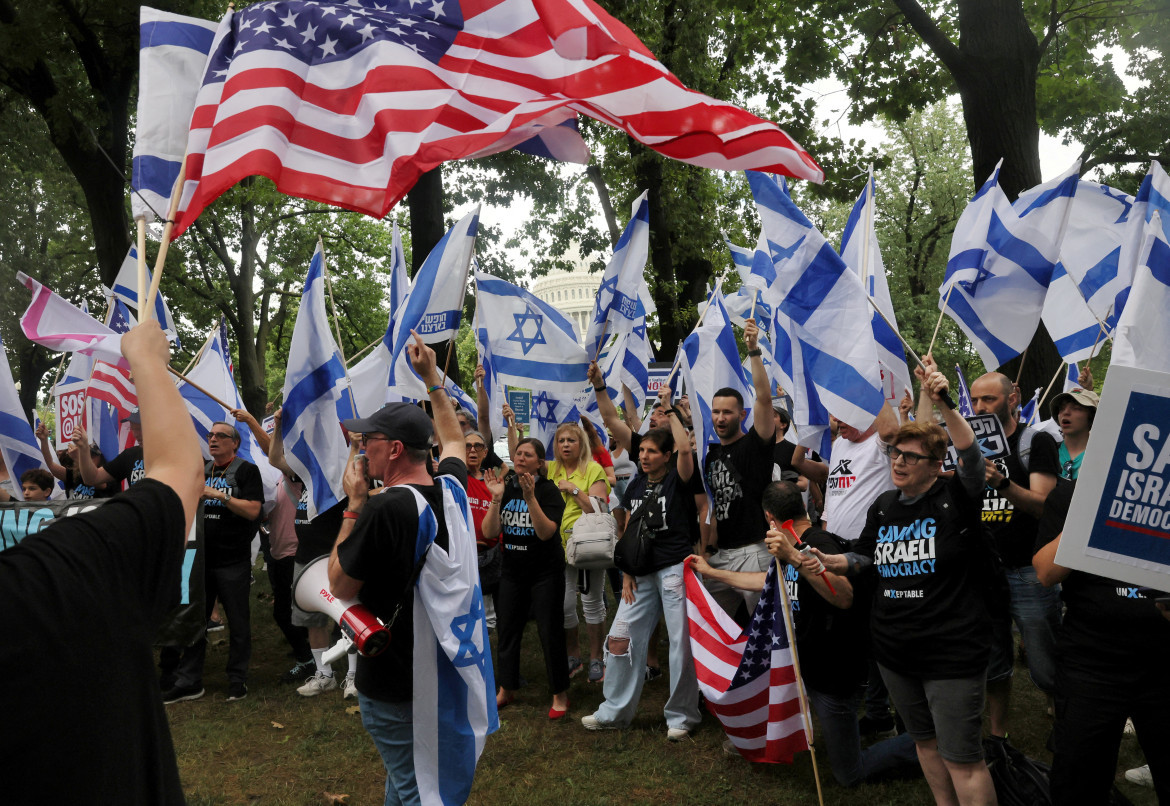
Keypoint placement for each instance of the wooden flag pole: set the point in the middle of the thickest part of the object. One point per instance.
(362, 351)
(144, 315)
(336, 326)
(165, 243)
(1048, 388)
(948, 400)
(194, 385)
(199, 354)
(601, 339)
(1020, 372)
(801, 695)
(938, 324)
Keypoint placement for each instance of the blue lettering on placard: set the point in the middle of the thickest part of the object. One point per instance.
(438, 322)
(185, 581)
(1133, 517)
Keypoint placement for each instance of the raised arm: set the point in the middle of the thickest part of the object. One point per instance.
(483, 412)
(170, 448)
(937, 387)
(492, 527)
(684, 457)
(633, 416)
(447, 429)
(91, 474)
(887, 423)
(546, 528)
(609, 413)
(276, 449)
(765, 427)
(57, 469)
(262, 439)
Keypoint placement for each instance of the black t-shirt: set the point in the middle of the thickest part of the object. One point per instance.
(380, 552)
(833, 643)
(128, 465)
(932, 563)
(525, 554)
(492, 460)
(83, 600)
(1113, 641)
(315, 538)
(782, 457)
(227, 537)
(1014, 531)
(737, 475)
(77, 490)
(671, 515)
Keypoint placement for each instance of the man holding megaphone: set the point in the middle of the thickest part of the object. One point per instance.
(374, 559)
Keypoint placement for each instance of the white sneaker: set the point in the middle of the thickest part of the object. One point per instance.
(1140, 776)
(593, 723)
(318, 684)
(677, 734)
(349, 687)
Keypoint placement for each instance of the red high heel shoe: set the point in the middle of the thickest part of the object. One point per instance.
(554, 713)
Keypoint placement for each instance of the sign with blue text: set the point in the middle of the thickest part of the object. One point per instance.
(1119, 522)
(521, 402)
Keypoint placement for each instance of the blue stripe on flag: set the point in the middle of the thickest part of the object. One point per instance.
(539, 370)
(963, 311)
(831, 373)
(157, 174)
(1101, 274)
(1066, 189)
(815, 284)
(179, 34)
(1018, 251)
(320, 483)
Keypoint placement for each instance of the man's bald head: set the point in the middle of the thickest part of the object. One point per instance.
(994, 393)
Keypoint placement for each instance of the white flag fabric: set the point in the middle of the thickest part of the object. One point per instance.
(822, 335)
(171, 59)
(860, 251)
(434, 305)
(126, 289)
(61, 326)
(18, 443)
(532, 345)
(1143, 332)
(454, 686)
(618, 308)
(314, 391)
(999, 269)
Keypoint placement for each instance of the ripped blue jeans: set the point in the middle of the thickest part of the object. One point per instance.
(660, 593)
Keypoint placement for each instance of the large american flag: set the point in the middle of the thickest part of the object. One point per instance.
(747, 676)
(350, 102)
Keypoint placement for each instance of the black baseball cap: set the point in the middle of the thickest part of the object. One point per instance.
(404, 422)
(133, 417)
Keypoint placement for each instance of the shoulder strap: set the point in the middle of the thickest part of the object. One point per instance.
(1024, 447)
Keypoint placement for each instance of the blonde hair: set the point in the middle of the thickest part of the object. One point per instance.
(586, 454)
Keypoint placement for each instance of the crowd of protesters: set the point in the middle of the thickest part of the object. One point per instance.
(903, 609)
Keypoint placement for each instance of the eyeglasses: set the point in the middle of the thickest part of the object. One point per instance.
(219, 435)
(909, 457)
(374, 437)
(475, 446)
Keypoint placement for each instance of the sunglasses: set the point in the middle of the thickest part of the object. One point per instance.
(475, 446)
(219, 435)
(909, 457)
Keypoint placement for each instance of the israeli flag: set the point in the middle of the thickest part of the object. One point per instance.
(1075, 329)
(1143, 332)
(997, 276)
(126, 289)
(314, 392)
(532, 345)
(53, 322)
(454, 686)
(1153, 198)
(709, 362)
(618, 307)
(211, 372)
(369, 379)
(18, 443)
(434, 304)
(822, 335)
(1030, 411)
(860, 251)
(171, 59)
(1072, 378)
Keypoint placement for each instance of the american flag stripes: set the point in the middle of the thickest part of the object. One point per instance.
(748, 677)
(112, 385)
(349, 103)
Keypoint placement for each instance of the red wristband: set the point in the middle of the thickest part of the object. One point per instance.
(350, 514)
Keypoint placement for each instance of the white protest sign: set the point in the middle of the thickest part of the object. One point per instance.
(70, 411)
(1119, 523)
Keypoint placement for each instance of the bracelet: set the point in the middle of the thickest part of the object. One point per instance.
(349, 514)
(1003, 485)
(432, 389)
(670, 411)
(599, 388)
(755, 352)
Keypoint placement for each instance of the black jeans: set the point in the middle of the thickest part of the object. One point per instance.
(544, 595)
(1087, 738)
(231, 584)
(280, 576)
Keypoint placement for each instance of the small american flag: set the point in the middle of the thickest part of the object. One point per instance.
(350, 102)
(747, 677)
(109, 383)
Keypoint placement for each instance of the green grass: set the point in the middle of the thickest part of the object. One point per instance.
(231, 753)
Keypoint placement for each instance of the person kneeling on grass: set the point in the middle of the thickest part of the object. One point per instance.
(657, 499)
(831, 626)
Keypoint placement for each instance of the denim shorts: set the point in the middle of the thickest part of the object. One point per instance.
(950, 711)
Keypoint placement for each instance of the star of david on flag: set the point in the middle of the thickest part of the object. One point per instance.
(519, 335)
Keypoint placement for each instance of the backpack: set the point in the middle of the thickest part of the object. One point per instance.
(1019, 781)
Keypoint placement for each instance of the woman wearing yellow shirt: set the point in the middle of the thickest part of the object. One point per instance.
(580, 480)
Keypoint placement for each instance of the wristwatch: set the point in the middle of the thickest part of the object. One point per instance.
(576, 491)
(1003, 485)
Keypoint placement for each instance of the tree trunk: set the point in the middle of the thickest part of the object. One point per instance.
(425, 201)
(34, 362)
